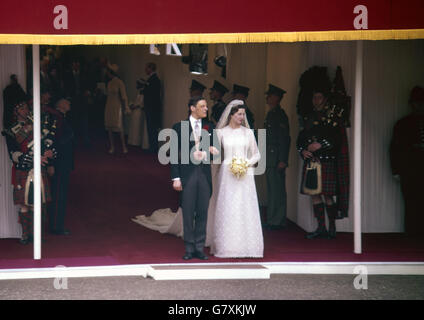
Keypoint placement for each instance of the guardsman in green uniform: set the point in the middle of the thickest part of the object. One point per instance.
(217, 92)
(277, 154)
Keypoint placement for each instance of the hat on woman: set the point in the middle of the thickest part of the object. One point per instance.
(113, 67)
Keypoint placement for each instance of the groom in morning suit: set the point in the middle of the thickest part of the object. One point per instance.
(192, 175)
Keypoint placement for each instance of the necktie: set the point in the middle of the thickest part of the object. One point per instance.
(197, 129)
(197, 133)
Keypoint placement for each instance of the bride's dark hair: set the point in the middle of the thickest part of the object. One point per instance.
(234, 110)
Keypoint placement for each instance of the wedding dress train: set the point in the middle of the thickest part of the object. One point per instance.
(167, 221)
(163, 220)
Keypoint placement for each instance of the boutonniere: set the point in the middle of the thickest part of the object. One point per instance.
(206, 127)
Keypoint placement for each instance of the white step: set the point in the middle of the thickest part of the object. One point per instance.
(208, 271)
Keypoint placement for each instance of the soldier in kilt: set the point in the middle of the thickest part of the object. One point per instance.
(19, 139)
(324, 141)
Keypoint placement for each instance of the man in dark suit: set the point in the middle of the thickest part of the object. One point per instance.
(277, 155)
(152, 105)
(192, 175)
(63, 165)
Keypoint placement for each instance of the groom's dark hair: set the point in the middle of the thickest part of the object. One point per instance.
(193, 101)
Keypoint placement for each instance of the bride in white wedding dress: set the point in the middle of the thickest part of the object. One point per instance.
(234, 226)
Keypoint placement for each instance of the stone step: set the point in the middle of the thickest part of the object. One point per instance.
(208, 271)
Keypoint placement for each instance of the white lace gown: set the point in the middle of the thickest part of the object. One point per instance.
(234, 225)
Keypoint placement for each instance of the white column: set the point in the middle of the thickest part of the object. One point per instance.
(12, 61)
(357, 150)
(37, 151)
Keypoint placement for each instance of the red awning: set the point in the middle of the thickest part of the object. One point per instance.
(193, 20)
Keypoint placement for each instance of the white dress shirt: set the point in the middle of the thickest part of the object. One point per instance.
(193, 125)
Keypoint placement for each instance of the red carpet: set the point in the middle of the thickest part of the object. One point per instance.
(108, 190)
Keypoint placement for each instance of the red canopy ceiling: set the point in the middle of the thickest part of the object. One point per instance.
(199, 17)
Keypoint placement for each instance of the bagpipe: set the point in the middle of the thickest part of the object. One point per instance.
(337, 110)
(21, 133)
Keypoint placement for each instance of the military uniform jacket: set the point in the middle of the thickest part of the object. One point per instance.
(17, 141)
(20, 143)
(277, 137)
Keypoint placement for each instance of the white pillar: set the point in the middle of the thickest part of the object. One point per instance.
(37, 151)
(12, 61)
(357, 150)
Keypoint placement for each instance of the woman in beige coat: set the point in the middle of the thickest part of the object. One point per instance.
(116, 101)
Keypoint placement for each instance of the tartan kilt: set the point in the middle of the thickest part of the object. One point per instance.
(26, 218)
(20, 183)
(328, 176)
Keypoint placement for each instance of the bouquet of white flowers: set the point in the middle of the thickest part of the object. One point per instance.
(238, 167)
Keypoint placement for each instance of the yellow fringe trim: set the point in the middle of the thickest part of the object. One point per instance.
(100, 39)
